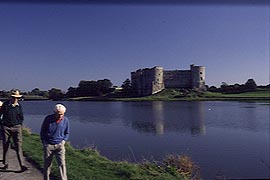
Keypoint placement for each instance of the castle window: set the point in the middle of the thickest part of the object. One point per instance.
(201, 78)
(200, 72)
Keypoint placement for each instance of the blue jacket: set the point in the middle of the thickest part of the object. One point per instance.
(53, 132)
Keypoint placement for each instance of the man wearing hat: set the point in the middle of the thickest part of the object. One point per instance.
(12, 127)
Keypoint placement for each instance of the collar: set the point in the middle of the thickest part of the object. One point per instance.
(59, 120)
(14, 105)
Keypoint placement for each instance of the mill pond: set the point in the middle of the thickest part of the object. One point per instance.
(224, 138)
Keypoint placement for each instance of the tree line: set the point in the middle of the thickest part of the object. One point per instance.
(85, 89)
(225, 88)
(105, 88)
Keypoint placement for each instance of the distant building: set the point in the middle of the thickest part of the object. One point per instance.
(152, 80)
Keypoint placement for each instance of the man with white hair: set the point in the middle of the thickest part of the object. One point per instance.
(54, 133)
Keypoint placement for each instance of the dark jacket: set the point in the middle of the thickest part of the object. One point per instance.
(12, 115)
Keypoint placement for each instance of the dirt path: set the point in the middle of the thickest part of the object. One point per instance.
(14, 169)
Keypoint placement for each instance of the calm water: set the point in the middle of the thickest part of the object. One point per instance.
(229, 139)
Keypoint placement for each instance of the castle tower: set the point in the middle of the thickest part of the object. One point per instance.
(198, 77)
(147, 81)
(158, 83)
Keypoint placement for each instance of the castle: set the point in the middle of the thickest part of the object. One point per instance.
(152, 80)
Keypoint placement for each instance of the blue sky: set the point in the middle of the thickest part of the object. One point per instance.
(57, 45)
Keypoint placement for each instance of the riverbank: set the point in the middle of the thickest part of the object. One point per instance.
(176, 95)
(172, 95)
(88, 164)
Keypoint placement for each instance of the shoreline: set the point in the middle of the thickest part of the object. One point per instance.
(264, 99)
(167, 95)
(97, 166)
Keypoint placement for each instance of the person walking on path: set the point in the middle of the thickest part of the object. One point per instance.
(12, 127)
(54, 133)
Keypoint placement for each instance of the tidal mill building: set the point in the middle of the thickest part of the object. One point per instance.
(152, 80)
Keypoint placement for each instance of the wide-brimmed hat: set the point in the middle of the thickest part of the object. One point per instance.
(16, 94)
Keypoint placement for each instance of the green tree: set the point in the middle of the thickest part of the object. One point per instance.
(127, 88)
(250, 85)
(126, 85)
(87, 88)
(44, 94)
(56, 94)
(39, 92)
(213, 89)
(90, 88)
(104, 86)
(94, 88)
(35, 91)
(72, 92)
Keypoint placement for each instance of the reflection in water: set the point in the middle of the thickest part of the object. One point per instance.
(98, 112)
(158, 117)
(174, 117)
(198, 119)
(252, 117)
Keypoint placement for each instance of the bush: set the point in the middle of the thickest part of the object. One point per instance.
(183, 165)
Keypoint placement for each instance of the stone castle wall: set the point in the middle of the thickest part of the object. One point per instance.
(152, 80)
(177, 79)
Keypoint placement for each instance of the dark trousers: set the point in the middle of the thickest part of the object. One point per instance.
(1, 132)
(14, 132)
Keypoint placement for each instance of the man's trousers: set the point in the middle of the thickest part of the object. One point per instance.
(59, 151)
(14, 132)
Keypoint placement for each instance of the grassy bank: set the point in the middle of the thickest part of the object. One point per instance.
(178, 95)
(191, 95)
(175, 95)
(87, 164)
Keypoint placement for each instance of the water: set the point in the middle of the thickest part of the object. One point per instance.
(227, 139)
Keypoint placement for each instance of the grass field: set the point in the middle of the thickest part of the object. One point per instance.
(260, 93)
(174, 94)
